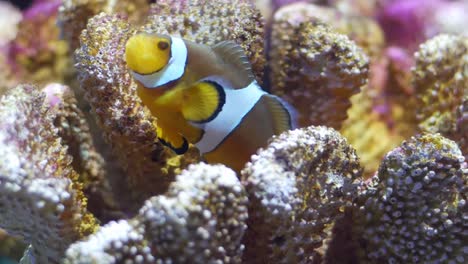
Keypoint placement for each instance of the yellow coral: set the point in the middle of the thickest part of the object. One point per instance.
(367, 133)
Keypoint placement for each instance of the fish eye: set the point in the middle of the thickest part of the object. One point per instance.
(162, 45)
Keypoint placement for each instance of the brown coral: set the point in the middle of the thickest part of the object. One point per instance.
(298, 187)
(316, 70)
(361, 29)
(87, 162)
(40, 197)
(74, 14)
(201, 219)
(127, 124)
(441, 82)
(416, 210)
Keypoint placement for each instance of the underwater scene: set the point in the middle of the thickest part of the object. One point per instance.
(234, 131)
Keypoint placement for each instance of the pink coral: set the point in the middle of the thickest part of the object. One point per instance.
(407, 23)
(37, 54)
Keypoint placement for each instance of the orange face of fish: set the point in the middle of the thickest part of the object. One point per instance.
(146, 54)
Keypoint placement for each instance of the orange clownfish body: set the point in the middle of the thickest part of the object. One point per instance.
(206, 96)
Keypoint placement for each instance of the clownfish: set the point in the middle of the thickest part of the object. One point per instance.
(206, 96)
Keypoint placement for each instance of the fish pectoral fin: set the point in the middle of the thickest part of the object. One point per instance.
(203, 101)
(174, 141)
(282, 113)
(232, 53)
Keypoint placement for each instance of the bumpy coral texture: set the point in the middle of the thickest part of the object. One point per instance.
(210, 22)
(127, 124)
(298, 188)
(40, 199)
(361, 29)
(201, 219)
(74, 14)
(116, 242)
(441, 82)
(316, 70)
(416, 213)
(87, 162)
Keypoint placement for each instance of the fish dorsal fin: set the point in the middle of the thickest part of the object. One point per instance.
(203, 101)
(282, 113)
(233, 54)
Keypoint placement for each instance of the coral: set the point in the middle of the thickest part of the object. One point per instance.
(364, 8)
(268, 7)
(302, 199)
(408, 23)
(127, 124)
(383, 114)
(87, 162)
(364, 31)
(201, 219)
(40, 198)
(73, 17)
(368, 133)
(36, 54)
(298, 189)
(416, 210)
(455, 10)
(412, 14)
(391, 77)
(441, 81)
(9, 19)
(116, 242)
(7, 78)
(316, 70)
(460, 135)
(74, 14)
(210, 22)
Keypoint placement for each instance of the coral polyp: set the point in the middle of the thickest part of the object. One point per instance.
(376, 172)
(41, 199)
(441, 81)
(200, 219)
(299, 187)
(417, 211)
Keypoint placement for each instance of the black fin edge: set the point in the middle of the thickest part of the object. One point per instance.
(178, 151)
(221, 100)
(200, 137)
(292, 112)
